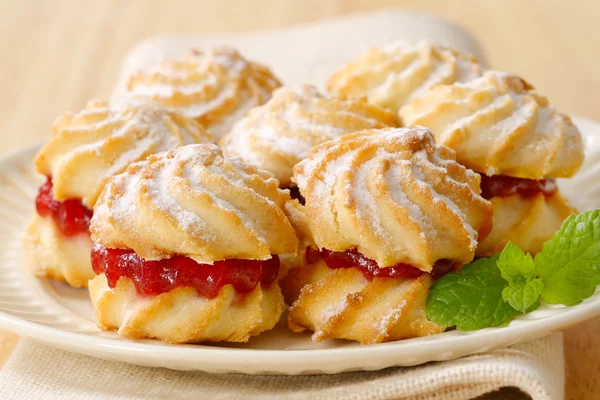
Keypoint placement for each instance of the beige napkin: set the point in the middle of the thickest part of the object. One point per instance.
(36, 371)
(301, 54)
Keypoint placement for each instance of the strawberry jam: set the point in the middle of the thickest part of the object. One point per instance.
(70, 216)
(153, 277)
(370, 269)
(502, 186)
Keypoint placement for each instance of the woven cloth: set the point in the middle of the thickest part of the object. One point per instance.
(36, 371)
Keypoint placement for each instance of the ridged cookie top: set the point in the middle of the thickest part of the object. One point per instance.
(395, 197)
(279, 134)
(89, 147)
(215, 87)
(498, 125)
(392, 75)
(191, 201)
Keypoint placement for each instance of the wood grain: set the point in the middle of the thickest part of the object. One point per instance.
(55, 55)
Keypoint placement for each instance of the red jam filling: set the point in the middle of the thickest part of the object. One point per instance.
(153, 277)
(70, 216)
(502, 186)
(369, 267)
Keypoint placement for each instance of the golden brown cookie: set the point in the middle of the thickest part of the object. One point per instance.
(527, 221)
(280, 133)
(394, 196)
(199, 203)
(343, 304)
(86, 149)
(390, 76)
(216, 87)
(387, 211)
(181, 316)
(187, 247)
(501, 127)
(498, 125)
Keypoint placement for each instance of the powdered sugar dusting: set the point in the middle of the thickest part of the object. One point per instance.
(193, 173)
(144, 124)
(324, 186)
(395, 177)
(366, 205)
(438, 197)
(389, 319)
(166, 91)
(225, 124)
(268, 134)
(398, 72)
(104, 139)
(143, 146)
(332, 310)
(197, 197)
(125, 207)
(218, 87)
(498, 117)
(376, 189)
(162, 194)
(295, 120)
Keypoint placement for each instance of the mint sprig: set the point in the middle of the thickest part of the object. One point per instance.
(524, 287)
(569, 263)
(524, 298)
(470, 298)
(491, 291)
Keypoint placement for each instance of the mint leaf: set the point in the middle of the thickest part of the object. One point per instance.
(569, 263)
(515, 265)
(524, 297)
(470, 298)
(518, 269)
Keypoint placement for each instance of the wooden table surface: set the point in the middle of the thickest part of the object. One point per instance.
(57, 54)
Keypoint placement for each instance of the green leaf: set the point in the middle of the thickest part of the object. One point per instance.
(569, 263)
(525, 297)
(515, 265)
(518, 269)
(470, 298)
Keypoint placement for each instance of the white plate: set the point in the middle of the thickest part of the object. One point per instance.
(63, 317)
